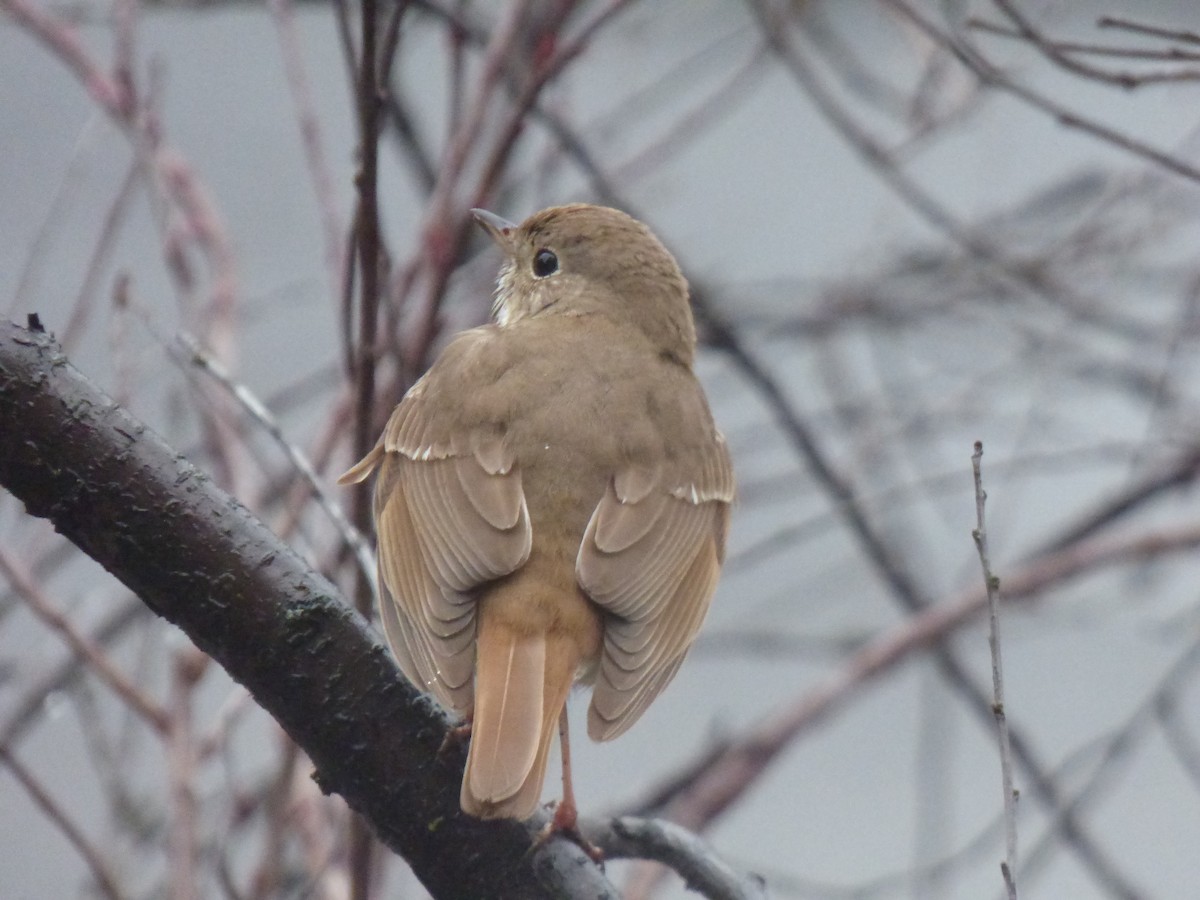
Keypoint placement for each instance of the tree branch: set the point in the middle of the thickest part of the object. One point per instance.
(685, 852)
(200, 560)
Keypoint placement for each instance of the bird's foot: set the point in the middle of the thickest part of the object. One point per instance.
(454, 739)
(565, 822)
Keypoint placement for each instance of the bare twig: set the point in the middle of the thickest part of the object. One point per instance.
(187, 215)
(997, 259)
(446, 221)
(1181, 742)
(995, 78)
(367, 244)
(1133, 497)
(1171, 54)
(314, 146)
(56, 814)
(52, 221)
(267, 878)
(391, 41)
(1062, 56)
(24, 584)
(195, 355)
(902, 587)
(184, 839)
(446, 224)
(630, 837)
(1171, 34)
(370, 279)
(992, 588)
(63, 42)
(714, 781)
(105, 243)
(1117, 749)
(32, 705)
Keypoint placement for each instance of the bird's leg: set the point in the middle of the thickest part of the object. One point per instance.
(566, 814)
(455, 737)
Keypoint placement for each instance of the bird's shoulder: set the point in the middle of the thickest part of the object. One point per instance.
(583, 381)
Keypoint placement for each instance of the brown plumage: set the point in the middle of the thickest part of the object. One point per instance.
(552, 500)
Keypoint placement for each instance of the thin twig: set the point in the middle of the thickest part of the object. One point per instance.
(391, 41)
(183, 837)
(446, 221)
(106, 240)
(195, 355)
(1171, 54)
(713, 782)
(63, 42)
(314, 146)
(268, 877)
(31, 707)
(1170, 34)
(56, 814)
(995, 78)
(186, 214)
(448, 233)
(1063, 59)
(52, 223)
(630, 837)
(368, 244)
(1179, 740)
(1118, 748)
(367, 239)
(23, 583)
(992, 586)
(543, 75)
(1028, 274)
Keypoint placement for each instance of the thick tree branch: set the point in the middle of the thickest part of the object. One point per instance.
(200, 560)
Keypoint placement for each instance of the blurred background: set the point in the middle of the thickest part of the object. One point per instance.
(909, 225)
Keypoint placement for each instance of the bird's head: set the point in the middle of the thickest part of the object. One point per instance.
(592, 260)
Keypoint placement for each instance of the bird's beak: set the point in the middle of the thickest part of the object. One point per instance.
(500, 230)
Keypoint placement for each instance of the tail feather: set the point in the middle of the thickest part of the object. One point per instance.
(505, 728)
(521, 685)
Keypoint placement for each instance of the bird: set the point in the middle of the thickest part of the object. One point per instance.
(552, 501)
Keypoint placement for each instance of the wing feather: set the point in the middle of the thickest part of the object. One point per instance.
(436, 545)
(650, 557)
(431, 632)
(451, 515)
(496, 496)
(640, 659)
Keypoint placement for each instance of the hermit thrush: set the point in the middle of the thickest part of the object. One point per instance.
(552, 501)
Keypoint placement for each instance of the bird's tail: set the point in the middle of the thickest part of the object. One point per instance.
(522, 678)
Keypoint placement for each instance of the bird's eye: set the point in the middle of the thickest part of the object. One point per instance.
(545, 263)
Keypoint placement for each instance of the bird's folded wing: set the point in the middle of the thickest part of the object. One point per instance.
(650, 557)
(451, 515)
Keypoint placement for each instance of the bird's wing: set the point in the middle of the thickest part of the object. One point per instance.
(650, 557)
(451, 515)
